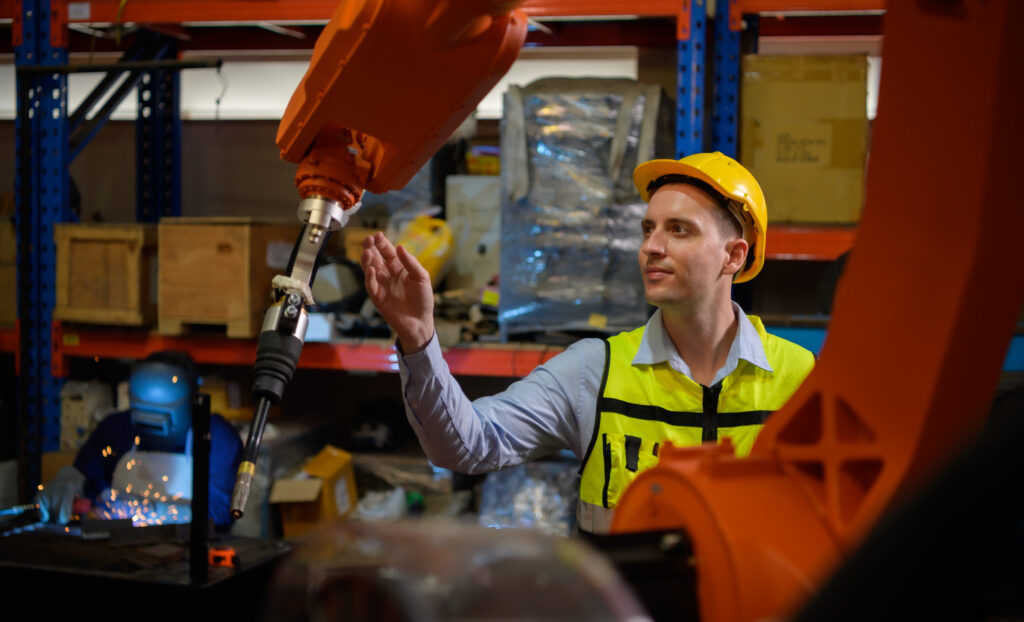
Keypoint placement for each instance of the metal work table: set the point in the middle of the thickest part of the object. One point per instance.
(149, 577)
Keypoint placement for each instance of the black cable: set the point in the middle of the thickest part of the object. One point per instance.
(259, 422)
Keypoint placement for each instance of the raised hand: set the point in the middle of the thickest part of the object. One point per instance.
(400, 289)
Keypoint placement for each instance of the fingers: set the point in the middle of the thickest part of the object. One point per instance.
(372, 287)
(412, 265)
(372, 253)
(382, 246)
(382, 262)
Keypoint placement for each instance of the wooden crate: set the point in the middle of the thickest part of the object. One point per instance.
(106, 273)
(217, 271)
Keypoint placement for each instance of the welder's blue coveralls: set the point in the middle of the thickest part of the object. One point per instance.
(116, 431)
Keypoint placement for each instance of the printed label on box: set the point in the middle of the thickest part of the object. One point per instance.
(802, 143)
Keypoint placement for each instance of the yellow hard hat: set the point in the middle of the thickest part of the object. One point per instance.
(728, 178)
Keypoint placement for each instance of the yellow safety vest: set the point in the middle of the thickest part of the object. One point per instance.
(641, 407)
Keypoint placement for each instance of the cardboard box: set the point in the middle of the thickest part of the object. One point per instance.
(473, 210)
(804, 135)
(106, 273)
(217, 271)
(323, 490)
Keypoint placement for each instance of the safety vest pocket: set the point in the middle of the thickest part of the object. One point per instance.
(625, 457)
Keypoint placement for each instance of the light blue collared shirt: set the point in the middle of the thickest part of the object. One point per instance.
(551, 409)
(657, 347)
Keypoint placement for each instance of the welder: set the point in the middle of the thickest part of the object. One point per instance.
(138, 463)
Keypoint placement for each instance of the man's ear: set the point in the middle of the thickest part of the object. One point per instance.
(736, 249)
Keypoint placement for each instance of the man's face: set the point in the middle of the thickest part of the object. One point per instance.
(684, 251)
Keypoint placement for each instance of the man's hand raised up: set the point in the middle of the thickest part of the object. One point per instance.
(400, 289)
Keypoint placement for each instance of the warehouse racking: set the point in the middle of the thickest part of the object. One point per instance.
(49, 136)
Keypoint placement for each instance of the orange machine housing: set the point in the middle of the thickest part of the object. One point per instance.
(389, 82)
(922, 320)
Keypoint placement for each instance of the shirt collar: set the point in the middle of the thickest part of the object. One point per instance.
(657, 347)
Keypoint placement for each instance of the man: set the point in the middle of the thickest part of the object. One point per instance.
(699, 371)
(138, 463)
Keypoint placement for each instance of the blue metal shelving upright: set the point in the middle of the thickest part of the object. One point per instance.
(725, 86)
(41, 188)
(47, 140)
(695, 111)
(158, 135)
(690, 81)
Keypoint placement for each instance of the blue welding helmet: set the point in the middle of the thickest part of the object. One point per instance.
(161, 390)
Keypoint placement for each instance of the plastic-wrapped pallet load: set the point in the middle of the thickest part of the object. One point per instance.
(570, 216)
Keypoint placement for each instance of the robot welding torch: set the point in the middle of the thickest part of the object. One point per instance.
(284, 331)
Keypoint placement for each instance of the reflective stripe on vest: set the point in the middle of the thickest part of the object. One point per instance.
(641, 407)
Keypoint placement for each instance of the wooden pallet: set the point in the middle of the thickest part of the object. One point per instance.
(235, 329)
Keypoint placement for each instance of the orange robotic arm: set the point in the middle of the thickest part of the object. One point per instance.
(389, 81)
(922, 320)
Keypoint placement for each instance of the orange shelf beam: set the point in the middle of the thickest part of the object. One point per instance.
(590, 8)
(371, 355)
(177, 11)
(9, 340)
(808, 243)
(771, 6)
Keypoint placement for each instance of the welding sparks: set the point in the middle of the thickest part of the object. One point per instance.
(119, 505)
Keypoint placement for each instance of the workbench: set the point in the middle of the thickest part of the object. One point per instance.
(149, 577)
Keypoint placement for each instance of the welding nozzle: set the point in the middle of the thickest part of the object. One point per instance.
(243, 482)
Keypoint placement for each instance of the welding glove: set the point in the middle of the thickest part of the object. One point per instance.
(58, 496)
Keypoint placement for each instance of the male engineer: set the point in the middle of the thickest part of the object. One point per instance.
(700, 370)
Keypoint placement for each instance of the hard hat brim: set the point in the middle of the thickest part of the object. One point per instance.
(652, 170)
